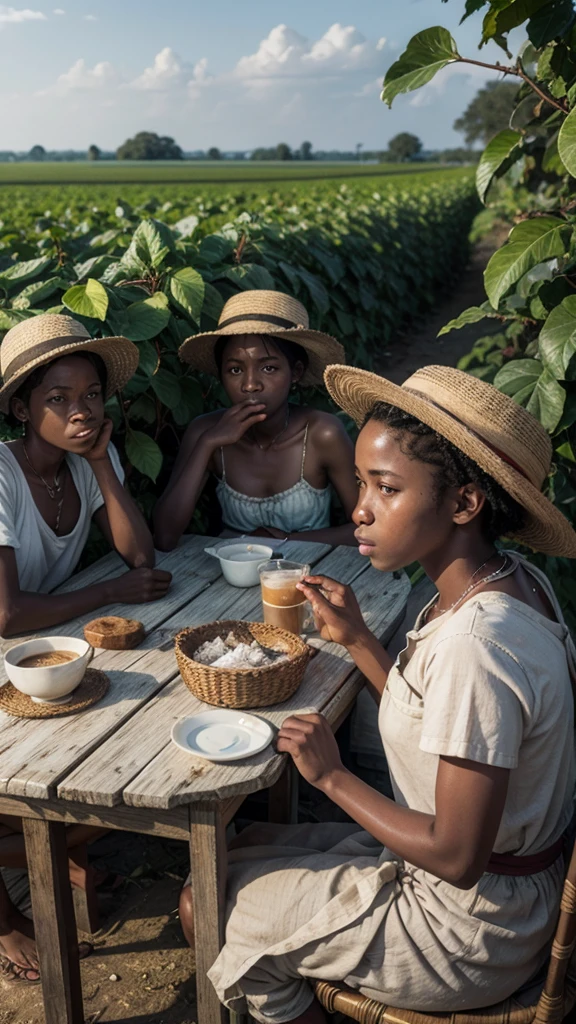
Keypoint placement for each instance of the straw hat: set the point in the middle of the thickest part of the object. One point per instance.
(40, 339)
(501, 437)
(264, 312)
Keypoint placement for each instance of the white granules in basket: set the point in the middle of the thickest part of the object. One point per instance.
(230, 653)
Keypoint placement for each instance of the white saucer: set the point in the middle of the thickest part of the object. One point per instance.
(222, 734)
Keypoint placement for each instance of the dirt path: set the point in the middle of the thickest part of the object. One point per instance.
(141, 970)
(419, 344)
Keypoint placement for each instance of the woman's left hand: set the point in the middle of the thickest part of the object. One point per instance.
(99, 449)
(310, 742)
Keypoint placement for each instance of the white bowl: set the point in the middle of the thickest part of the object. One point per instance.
(239, 561)
(54, 682)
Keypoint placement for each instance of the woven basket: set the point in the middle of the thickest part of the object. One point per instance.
(243, 687)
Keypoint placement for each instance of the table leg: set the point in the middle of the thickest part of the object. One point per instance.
(283, 797)
(208, 861)
(54, 922)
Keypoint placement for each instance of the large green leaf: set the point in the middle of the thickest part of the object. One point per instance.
(551, 21)
(215, 249)
(426, 54)
(530, 242)
(191, 403)
(499, 155)
(187, 288)
(90, 299)
(145, 320)
(472, 315)
(19, 272)
(532, 385)
(567, 143)
(38, 291)
(504, 15)
(557, 342)
(151, 243)
(143, 453)
(167, 387)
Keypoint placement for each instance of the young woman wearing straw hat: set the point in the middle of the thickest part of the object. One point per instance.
(63, 473)
(446, 898)
(58, 477)
(277, 463)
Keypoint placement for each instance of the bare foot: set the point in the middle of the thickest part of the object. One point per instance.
(17, 940)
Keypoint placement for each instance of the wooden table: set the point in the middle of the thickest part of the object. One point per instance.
(114, 765)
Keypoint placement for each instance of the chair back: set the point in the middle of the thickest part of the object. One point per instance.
(550, 1008)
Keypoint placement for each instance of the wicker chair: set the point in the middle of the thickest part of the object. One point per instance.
(547, 1003)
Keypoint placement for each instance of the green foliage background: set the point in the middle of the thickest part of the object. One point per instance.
(526, 174)
(362, 261)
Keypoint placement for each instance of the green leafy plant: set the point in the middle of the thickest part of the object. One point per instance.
(531, 280)
(353, 256)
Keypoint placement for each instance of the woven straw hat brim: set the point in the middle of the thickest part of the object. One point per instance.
(357, 391)
(120, 356)
(322, 349)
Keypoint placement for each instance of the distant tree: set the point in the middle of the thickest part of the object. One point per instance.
(214, 153)
(488, 113)
(149, 146)
(37, 153)
(404, 146)
(94, 152)
(306, 151)
(263, 154)
(283, 151)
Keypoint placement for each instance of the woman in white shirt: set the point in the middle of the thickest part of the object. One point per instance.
(63, 473)
(54, 480)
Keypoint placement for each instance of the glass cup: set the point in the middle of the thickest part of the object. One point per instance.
(283, 604)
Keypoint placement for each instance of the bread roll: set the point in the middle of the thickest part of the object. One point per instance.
(114, 633)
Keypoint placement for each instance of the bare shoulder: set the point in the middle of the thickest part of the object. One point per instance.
(326, 430)
(198, 426)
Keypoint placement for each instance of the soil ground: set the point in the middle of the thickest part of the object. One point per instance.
(141, 970)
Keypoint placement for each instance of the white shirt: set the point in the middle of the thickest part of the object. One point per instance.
(45, 560)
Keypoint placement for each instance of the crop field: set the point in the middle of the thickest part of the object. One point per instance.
(156, 263)
(203, 172)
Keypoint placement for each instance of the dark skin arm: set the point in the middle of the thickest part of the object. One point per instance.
(202, 439)
(22, 611)
(455, 843)
(119, 519)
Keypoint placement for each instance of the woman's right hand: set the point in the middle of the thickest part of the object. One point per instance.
(234, 423)
(336, 611)
(139, 586)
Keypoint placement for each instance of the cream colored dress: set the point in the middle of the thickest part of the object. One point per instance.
(490, 683)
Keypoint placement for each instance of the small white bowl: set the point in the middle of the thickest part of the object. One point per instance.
(54, 683)
(239, 561)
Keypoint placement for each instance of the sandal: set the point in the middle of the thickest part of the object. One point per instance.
(17, 973)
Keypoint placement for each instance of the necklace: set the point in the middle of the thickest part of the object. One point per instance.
(53, 491)
(476, 583)
(266, 447)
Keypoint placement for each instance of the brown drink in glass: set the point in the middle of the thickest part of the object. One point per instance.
(283, 604)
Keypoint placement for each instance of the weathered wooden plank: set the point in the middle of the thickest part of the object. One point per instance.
(166, 782)
(208, 865)
(192, 571)
(102, 776)
(54, 921)
(171, 824)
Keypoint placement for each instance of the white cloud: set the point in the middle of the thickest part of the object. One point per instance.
(11, 16)
(58, 10)
(81, 78)
(90, 17)
(167, 72)
(286, 54)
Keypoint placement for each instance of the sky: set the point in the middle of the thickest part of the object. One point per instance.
(225, 73)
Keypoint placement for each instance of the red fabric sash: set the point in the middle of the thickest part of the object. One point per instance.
(510, 864)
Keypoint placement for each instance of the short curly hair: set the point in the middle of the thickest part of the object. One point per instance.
(502, 515)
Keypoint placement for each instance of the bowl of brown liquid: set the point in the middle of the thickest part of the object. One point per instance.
(48, 669)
